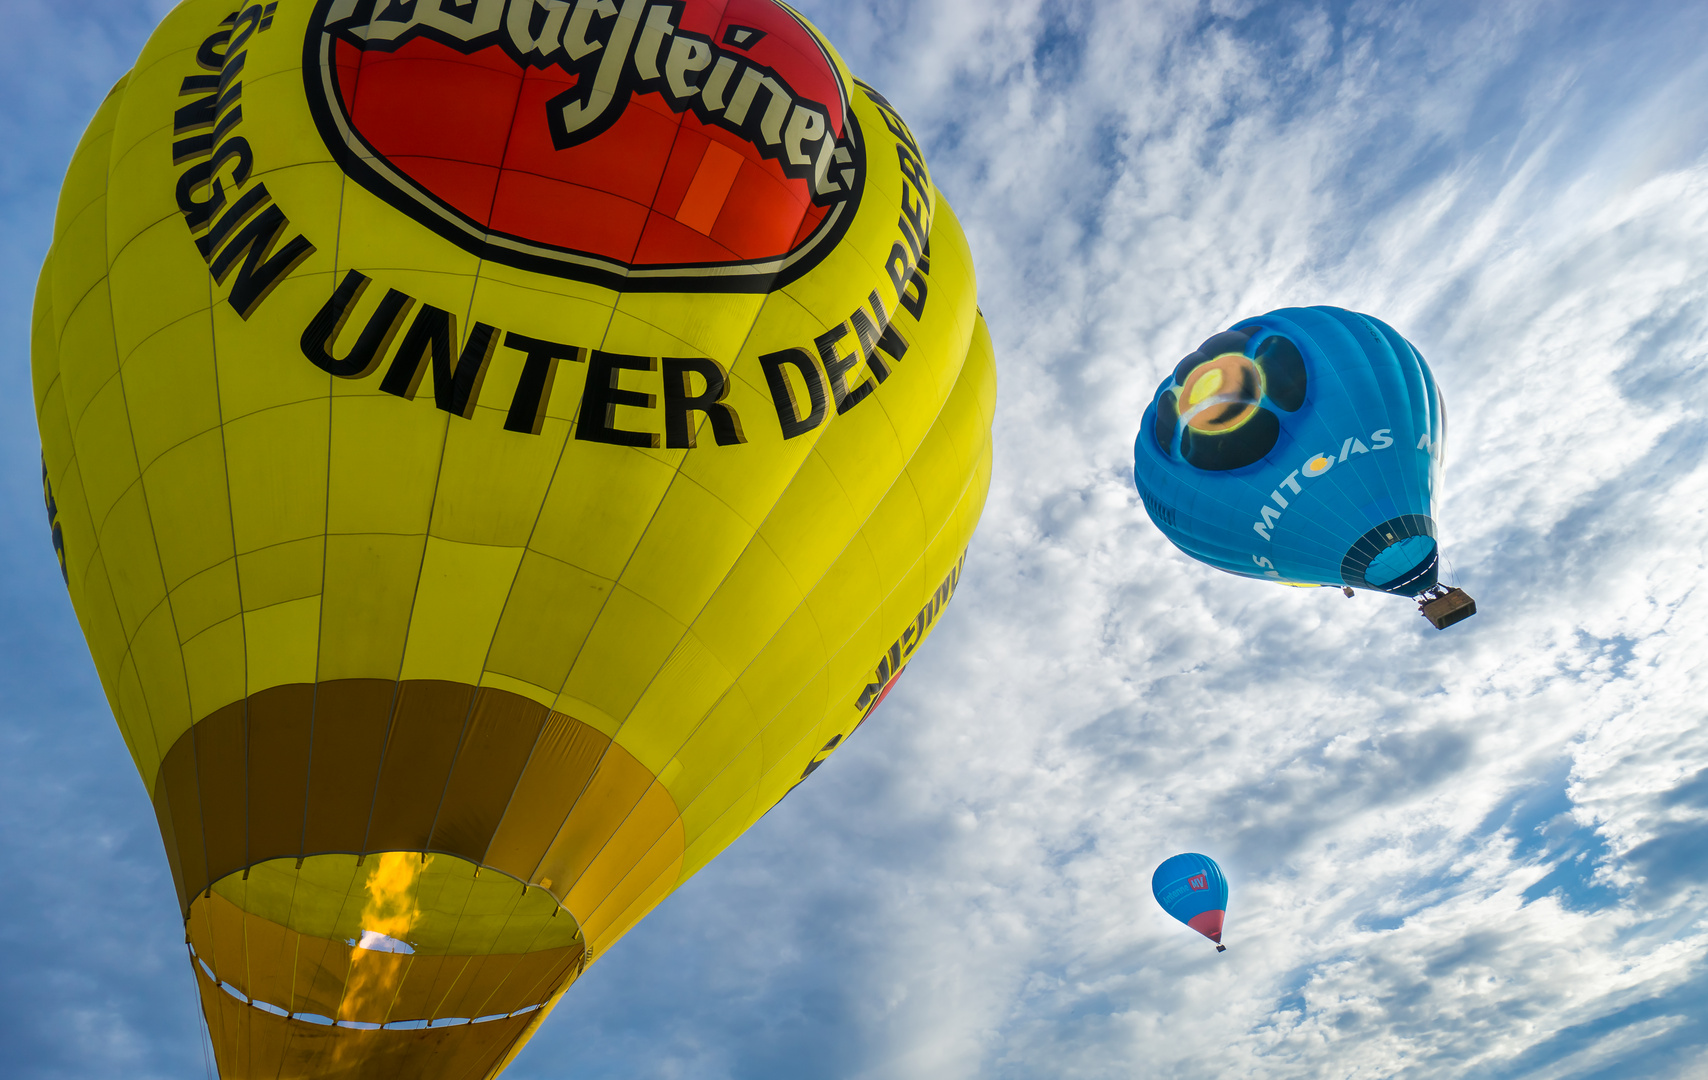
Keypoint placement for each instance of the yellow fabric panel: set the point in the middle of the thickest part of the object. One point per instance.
(721, 832)
(783, 739)
(127, 542)
(160, 669)
(98, 614)
(742, 615)
(703, 325)
(547, 616)
(88, 335)
(983, 353)
(841, 604)
(594, 513)
(457, 604)
(60, 463)
(629, 642)
(723, 809)
(169, 387)
(188, 483)
(294, 138)
(282, 645)
(246, 383)
(370, 589)
(288, 571)
(685, 689)
(811, 521)
(385, 466)
(276, 57)
(180, 32)
(688, 548)
(157, 279)
(632, 336)
(952, 260)
(81, 244)
(895, 532)
(307, 191)
(131, 711)
(204, 599)
(143, 166)
(44, 353)
(795, 654)
(533, 691)
(746, 478)
(399, 255)
(708, 759)
(932, 568)
(840, 283)
(277, 459)
(81, 551)
(491, 483)
(619, 793)
(907, 592)
(213, 668)
(103, 448)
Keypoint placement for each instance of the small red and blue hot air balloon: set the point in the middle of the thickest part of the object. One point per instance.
(1193, 890)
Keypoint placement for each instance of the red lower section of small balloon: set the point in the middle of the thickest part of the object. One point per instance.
(1209, 924)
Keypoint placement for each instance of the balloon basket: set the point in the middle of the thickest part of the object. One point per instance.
(1444, 607)
(1221, 948)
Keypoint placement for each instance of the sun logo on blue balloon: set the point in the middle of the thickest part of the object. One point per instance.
(1222, 405)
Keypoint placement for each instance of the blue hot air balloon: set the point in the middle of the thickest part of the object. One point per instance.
(1192, 889)
(1303, 446)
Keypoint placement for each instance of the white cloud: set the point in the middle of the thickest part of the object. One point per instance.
(1097, 702)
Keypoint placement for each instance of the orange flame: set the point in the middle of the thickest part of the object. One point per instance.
(380, 958)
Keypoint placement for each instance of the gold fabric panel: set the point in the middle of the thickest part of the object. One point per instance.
(362, 766)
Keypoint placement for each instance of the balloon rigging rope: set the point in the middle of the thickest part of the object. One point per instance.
(204, 1035)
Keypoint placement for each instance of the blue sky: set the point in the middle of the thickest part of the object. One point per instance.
(1480, 853)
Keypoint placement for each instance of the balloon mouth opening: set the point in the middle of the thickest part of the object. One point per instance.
(1421, 559)
(211, 982)
(376, 960)
(378, 941)
(1399, 556)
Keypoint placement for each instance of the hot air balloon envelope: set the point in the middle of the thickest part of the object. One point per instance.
(1192, 889)
(496, 449)
(1303, 446)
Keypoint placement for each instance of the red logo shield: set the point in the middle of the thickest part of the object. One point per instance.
(1198, 881)
(636, 144)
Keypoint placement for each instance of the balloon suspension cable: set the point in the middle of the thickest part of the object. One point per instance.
(204, 1036)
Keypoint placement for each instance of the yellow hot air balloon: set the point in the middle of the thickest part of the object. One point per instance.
(496, 449)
